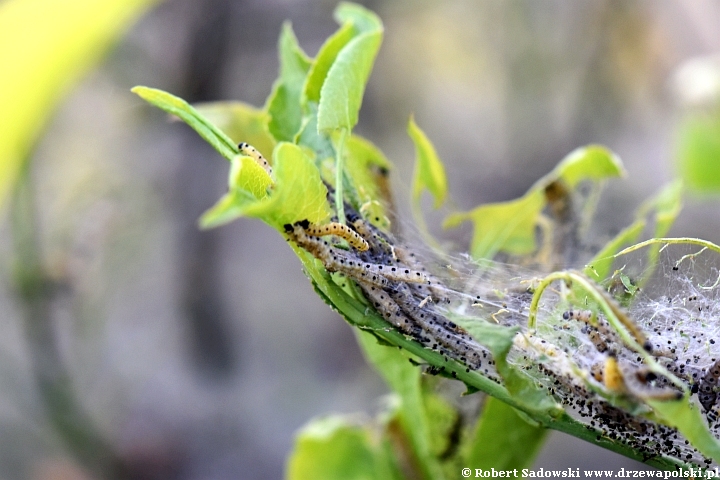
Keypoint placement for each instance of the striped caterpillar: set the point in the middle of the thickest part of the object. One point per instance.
(252, 152)
(337, 229)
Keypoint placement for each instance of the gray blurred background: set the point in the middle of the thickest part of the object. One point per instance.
(198, 354)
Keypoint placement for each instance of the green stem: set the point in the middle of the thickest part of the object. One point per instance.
(669, 241)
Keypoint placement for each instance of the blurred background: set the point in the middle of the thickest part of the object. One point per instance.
(134, 342)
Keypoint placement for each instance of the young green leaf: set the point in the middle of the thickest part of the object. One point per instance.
(498, 339)
(698, 152)
(338, 448)
(445, 425)
(180, 108)
(284, 105)
(45, 48)
(231, 206)
(298, 193)
(507, 226)
(342, 92)
(309, 136)
(324, 60)
(362, 155)
(247, 182)
(684, 415)
(429, 171)
(354, 20)
(368, 169)
(593, 162)
(510, 226)
(241, 122)
(667, 205)
(405, 380)
(363, 19)
(247, 174)
(495, 441)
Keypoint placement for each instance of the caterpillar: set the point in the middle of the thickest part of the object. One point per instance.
(611, 375)
(434, 331)
(602, 326)
(333, 259)
(337, 229)
(708, 391)
(252, 152)
(625, 379)
(336, 260)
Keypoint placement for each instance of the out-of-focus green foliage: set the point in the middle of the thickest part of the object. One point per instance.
(179, 107)
(498, 433)
(406, 380)
(510, 226)
(241, 122)
(284, 104)
(429, 171)
(699, 152)
(45, 47)
(340, 448)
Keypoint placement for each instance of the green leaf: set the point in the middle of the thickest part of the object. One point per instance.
(362, 18)
(309, 136)
(180, 108)
(442, 420)
(507, 226)
(324, 60)
(342, 92)
(46, 46)
(241, 122)
(354, 20)
(247, 174)
(593, 162)
(231, 206)
(298, 193)
(627, 282)
(510, 226)
(684, 415)
(338, 448)
(498, 339)
(404, 379)
(698, 152)
(247, 183)
(368, 169)
(429, 171)
(667, 205)
(283, 105)
(499, 432)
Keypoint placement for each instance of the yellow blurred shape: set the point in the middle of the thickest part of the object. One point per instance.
(45, 47)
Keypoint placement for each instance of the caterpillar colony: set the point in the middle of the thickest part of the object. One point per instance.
(664, 349)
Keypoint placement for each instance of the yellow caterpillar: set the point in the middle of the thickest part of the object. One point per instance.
(337, 229)
(252, 152)
(624, 379)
